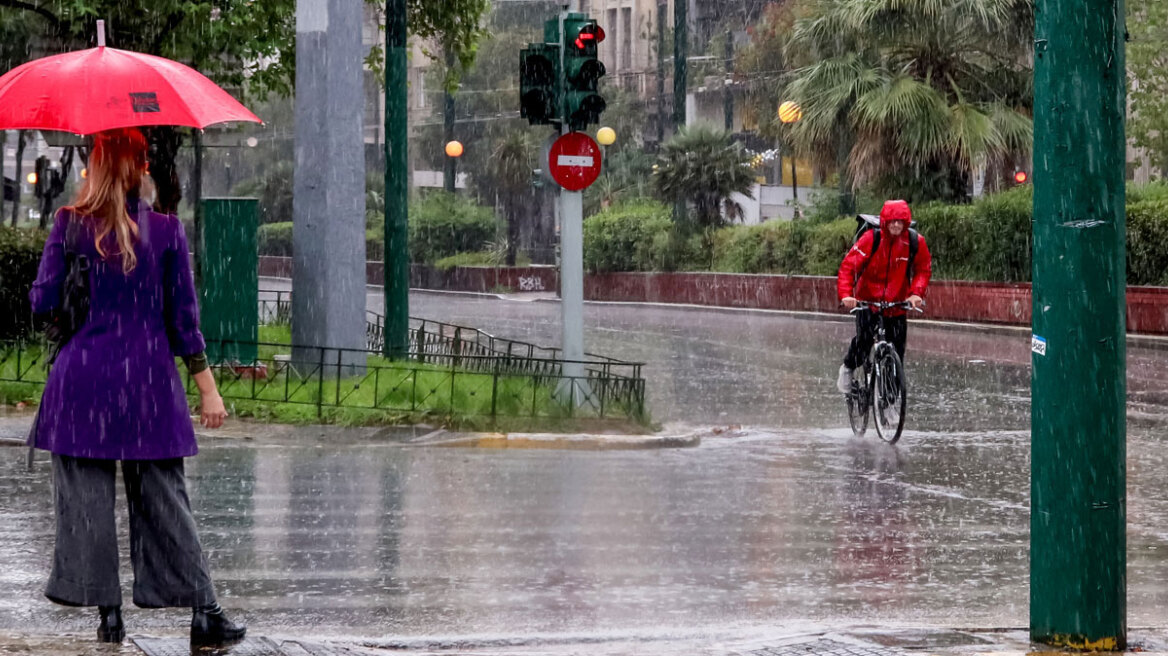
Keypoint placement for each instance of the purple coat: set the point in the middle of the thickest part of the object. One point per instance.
(115, 392)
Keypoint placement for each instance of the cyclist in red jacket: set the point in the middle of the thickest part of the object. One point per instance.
(895, 270)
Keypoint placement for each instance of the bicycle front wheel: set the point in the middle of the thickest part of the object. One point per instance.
(889, 396)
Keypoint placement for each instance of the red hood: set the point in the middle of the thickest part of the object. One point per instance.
(895, 210)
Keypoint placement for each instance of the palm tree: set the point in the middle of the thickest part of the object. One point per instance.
(703, 166)
(510, 171)
(914, 94)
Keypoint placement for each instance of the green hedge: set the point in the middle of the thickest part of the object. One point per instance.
(20, 254)
(444, 224)
(1147, 242)
(635, 236)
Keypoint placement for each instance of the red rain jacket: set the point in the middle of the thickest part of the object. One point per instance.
(886, 276)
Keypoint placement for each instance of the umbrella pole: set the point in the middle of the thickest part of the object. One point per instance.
(100, 33)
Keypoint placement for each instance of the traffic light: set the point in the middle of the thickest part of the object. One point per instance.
(582, 71)
(41, 185)
(539, 83)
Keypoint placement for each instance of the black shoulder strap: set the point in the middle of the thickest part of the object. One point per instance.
(914, 243)
(875, 246)
(72, 233)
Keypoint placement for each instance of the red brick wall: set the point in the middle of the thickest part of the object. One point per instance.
(979, 302)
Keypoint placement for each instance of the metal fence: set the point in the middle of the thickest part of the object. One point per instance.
(451, 371)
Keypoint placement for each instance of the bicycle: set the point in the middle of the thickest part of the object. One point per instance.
(882, 392)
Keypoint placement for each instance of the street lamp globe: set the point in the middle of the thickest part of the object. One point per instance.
(790, 112)
(606, 136)
(454, 149)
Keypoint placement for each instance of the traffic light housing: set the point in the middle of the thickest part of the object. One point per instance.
(582, 71)
(41, 186)
(539, 83)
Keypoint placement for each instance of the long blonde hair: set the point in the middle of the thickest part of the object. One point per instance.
(116, 166)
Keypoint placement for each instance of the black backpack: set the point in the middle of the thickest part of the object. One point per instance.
(866, 222)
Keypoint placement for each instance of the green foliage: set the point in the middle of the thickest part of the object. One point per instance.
(275, 239)
(1003, 233)
(456, 26)
(770, 247)
(1147, 243)
(911, 94)
(1147, 70)
(274, 191)
(222, 40)
(630, 237)
(827, 244)
(444, 224)
(703, 166)
(20, 254)
(481, 259)
(952, 239)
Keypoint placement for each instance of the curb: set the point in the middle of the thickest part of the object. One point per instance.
(577, 442)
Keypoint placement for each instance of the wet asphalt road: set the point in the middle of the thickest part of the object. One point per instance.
(784, 521)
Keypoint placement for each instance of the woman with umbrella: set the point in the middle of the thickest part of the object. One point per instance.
(114, 394)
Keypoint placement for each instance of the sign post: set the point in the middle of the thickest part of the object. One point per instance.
(574, 163)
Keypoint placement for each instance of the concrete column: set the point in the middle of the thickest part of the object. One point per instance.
(328, 268)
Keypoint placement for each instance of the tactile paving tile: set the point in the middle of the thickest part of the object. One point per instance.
(258, 646)
(826, 648)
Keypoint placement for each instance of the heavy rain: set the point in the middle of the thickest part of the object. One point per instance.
(605, 326)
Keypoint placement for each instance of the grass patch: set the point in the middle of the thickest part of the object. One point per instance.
(382, 392)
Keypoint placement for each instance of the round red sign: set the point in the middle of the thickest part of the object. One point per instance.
(574, 161)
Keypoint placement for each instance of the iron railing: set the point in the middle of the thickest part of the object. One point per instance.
(447, 343)
(450, 371)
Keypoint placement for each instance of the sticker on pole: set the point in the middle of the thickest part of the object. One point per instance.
(1038, 344)
(574, 161)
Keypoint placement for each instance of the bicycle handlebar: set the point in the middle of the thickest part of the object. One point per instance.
(885, 305)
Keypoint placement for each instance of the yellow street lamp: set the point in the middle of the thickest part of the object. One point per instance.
(453, 149)
(606, 136)
(790, 112)
(32, 178)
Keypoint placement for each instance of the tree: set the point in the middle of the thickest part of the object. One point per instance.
(1147, 66)
(510, 169)
(914, 94)
(703, 166)
(244, 45)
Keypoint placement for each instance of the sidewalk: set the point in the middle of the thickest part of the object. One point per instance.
(15, 424)
(858, 641)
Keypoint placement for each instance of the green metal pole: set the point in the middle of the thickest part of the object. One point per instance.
(680, 55)
(450, 164)
(680, 72)
(1078, 495)
(397, 185)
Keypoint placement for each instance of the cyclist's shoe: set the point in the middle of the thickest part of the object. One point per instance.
(844, 382)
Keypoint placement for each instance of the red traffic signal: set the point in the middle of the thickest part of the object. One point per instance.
(1021, 177)
(590, 35)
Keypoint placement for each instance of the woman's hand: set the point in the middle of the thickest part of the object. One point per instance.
(212, 411)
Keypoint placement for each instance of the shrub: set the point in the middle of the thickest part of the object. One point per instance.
(444, 224)
(492, 258)
(770, 247)
(275, 239)
(1147, 243)
(827, 244)
(1002, 230)
(20, 254)
(948, 231)
(634, 236)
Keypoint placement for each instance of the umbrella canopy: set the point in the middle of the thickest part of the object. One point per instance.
(103, 88)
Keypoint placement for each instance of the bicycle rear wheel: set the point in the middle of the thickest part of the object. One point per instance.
(858, 407)
(889, 396)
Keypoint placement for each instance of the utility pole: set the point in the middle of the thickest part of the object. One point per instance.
(680, 71)
(397, 186)
(727, 92)
(680, 66)
(662, 12)
(449, 164)
(571, 251)
(1078, 484)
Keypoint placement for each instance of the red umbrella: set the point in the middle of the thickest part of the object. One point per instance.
(104, 88)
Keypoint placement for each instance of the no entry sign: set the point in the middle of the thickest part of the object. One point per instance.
(574, 161)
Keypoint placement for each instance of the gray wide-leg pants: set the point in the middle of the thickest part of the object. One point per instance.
(169, 566)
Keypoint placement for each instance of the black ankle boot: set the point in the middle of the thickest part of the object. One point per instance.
(210, 627)
(110, 629)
